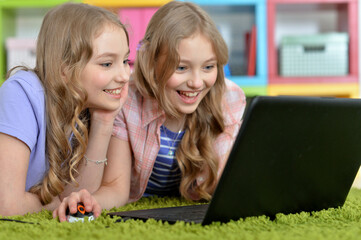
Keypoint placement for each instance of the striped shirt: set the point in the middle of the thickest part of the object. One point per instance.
(139, 123)
(166, 175)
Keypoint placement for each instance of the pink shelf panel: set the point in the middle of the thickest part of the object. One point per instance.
(136, 20)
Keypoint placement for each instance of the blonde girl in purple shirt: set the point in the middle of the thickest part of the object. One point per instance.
(178, 86)
(56, 119)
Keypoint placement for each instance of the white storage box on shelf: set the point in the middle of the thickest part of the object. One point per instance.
(314, 55)
(20, 51)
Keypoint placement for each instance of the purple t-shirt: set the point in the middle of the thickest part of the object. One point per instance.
(22, 115)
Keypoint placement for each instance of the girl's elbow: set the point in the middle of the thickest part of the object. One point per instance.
(18, 204)
(122, 199)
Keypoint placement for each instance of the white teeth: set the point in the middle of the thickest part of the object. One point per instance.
(189, 94)
(113, 91)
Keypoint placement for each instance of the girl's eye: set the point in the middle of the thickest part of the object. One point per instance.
(106, 64)
(126, 61)
(209, 67)
(181, 68)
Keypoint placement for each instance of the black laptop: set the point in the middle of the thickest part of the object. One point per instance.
(291, 154)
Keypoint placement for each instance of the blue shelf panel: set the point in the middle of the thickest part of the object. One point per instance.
(249, 80)
(261, 54)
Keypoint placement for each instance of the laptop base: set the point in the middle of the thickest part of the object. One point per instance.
(190, 214)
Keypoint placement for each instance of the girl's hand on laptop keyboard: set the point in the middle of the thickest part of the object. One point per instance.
(71, 202)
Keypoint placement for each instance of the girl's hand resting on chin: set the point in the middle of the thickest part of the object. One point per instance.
(90, 204)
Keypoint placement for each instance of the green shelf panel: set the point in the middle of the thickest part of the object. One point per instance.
(251, 91)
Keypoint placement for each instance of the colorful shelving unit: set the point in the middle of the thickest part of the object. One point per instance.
(339, 86)
(9, 14)
(263, 14)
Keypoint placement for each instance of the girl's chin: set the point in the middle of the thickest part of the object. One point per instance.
(188, 109)
(110, 107)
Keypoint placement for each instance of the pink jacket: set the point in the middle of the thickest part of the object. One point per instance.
(139, 123)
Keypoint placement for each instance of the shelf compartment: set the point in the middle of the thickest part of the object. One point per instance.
(346, 21)
(249, 13)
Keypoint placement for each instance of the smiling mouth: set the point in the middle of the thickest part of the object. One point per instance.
(115, 91)
(189, 94)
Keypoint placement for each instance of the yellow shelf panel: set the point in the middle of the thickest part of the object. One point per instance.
(127, 3)
(350, 90)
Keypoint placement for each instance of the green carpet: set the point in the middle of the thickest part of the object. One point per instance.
(342, 223)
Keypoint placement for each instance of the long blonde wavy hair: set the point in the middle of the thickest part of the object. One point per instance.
(64, 47)
(169, 25)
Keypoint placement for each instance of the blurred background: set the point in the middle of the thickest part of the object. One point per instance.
(276, 47)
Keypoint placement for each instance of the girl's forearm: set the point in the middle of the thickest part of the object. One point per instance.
(91, 172)
(109, 197)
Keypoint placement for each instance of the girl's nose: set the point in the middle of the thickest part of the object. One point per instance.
(123, 74)
(195, 81)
